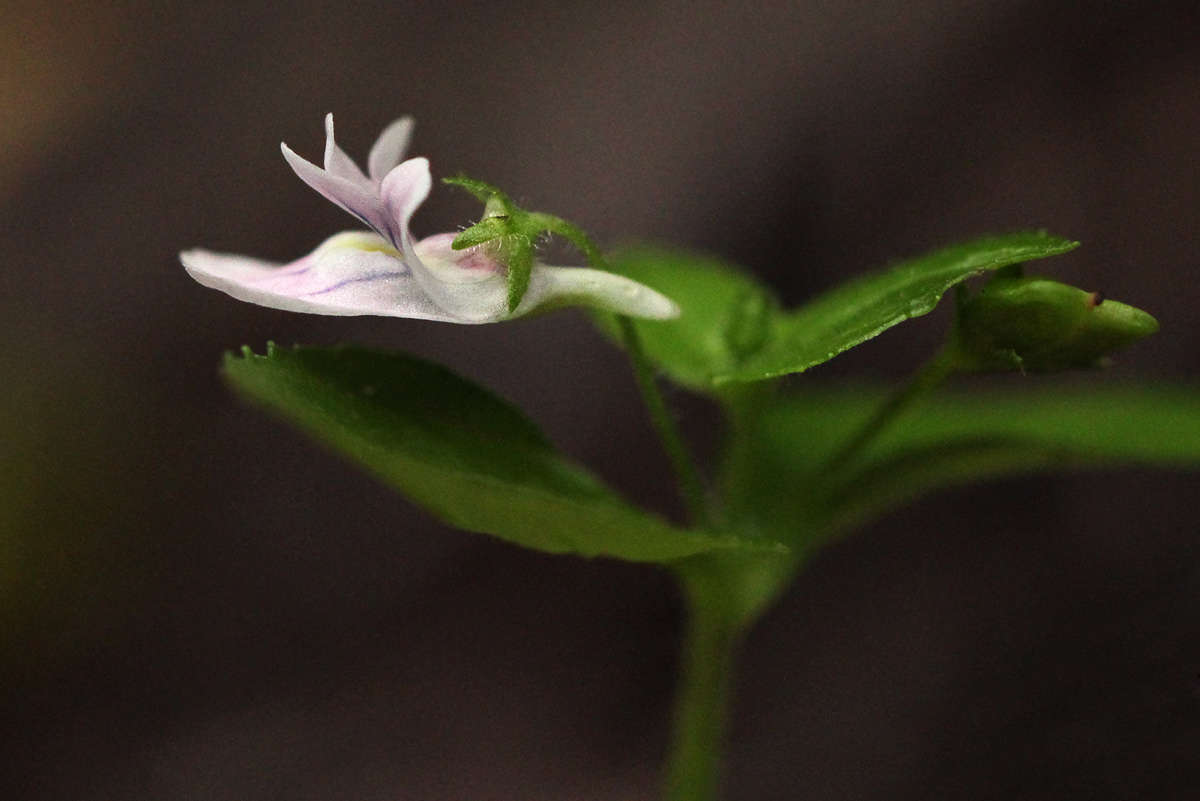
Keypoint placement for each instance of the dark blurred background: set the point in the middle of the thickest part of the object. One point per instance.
(197, 602)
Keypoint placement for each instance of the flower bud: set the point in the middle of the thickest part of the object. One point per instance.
(1035, 324)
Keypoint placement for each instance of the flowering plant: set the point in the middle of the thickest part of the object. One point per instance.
(798, 469)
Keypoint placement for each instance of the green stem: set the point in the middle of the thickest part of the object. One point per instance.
(743, 404)
(701, 705)
(926, 379)
(691, 488)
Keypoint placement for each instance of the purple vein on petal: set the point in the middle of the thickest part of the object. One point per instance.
(360, 279)
(297, 269)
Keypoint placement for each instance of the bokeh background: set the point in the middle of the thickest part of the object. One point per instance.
(198, 603)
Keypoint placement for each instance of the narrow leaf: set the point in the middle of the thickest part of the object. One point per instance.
(461, 453)
(1145, 425)
(862, 309)
(951, 440)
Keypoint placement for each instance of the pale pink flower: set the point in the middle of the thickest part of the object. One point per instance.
(385, 272)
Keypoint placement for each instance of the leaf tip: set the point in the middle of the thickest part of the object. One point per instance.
(1059, 244)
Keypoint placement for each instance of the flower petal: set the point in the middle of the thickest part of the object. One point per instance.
(468, 283)
(388, 150)
(352, 273)
(469, 291)
(555, 287)
(337, 162)
(473, 286)
(402, 191)
(358, 199)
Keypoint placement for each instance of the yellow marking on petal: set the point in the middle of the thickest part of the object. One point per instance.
(359, 240)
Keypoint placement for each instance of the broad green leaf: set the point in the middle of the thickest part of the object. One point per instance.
(864, 308)
(950, 440)
(453, 448)
(726, 314)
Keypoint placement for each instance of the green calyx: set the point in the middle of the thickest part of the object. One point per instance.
(512, 232)
(1039, 325)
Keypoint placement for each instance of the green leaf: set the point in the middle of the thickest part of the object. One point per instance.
(951, 440)
(461, 453)
(1148, 425)
(726, 314)
(862, 309)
